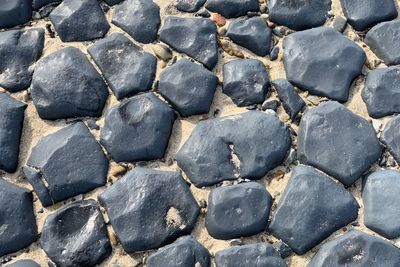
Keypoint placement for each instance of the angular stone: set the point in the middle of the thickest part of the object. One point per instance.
(19, 50)
(79, 20)
(299, 15)
(15, 12)
(189, 5)
(57, 89)
(23, 263)
(362, 14)
(390, 137)
(217, 151)
(138, 129)
(252, 33)
(139, 18)
(188, 86)
(18, 223)
(311, 208)
(339, 23)
(292, 102)
(356, 248)
(127, 68)
(338, 142)
(246, 81)
(184, 252)
(232, 8)
(196, 37)
(11, 122)
(329, 62)
(157, 209)
(66, 163)
(237, 210)
(261, 254)
(37, 4)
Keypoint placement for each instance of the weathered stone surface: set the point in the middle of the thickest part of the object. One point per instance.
(329, 62)
(158, 207)
(292, 102)
(23, 263)
(246, 81)
(66, 163)
(127, 68)
(356, 249)
(237, 210)
(252, 33)
(138, 129)
(79, 20)
(11, 122)
(139, 18)
(19, 50)
(311, 208)
(196, 37)
(184, 252)
(15, 12)
(390, 137)
(76, 235)
(188, 86)
(217, 151)
(232, 8)
(338, 142)
(189, 5)
(57, 89)
(18, 223)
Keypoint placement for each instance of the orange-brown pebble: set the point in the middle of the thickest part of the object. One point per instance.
(218, 19)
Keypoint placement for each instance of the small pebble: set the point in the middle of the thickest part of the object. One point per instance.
(218, 19)
(270, 104)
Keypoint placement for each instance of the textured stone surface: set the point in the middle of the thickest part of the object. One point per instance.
(14, 12)
(292, 102)
(127, 68)
(311, 208)
(37, 4)
(150, 208)
(338, 142)
(23, 263)
(189, 5)
(330, 62)
(232, 8)
(390, 137)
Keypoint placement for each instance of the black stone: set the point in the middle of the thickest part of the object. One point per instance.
(189, 87)
(37, 4)
(18, 223)
(196, 37)
(15, 12)
(359, 249)
(232, 8)
(189, 5)
(161, 208)
(19, 50)
(390, 137)
(339, 23)
(299, 15)
(283, 249)
(11, 122)
(79, 20)
(139, 18)
(329, 62)
(127, 68)
(363, 14)
(311, 208)
(66, 163)
(112, 2)
(270, 104)
(57, 89)
(137, 129)
(184, 252)
(338, 142)
(23, 263)
(217, 151)
(246, 81)
(292, 102)
(274, 53)
(252, 33)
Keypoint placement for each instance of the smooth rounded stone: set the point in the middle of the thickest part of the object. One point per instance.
(150, 208)
(66, 163)
(76, 235)
(196, 37)
(217, 151)
(57, 89)
(189, 87)
(184, 252)
(18, 223)
(274, 53)
(252, 255)
(356, 249)
(390, 137)
(127, 68)
(189, 5)
(337, 141)
(37, 4)
(381, 92)
(139, 18)
(252, 33)
(23, 263)
(339, 23)
(11, 122)
(362, 14)
(19, 50)
(15, 12)
(246, 81)
(137, 129)
(299, 15)
(232, 8)
(79, 20)
(237, 210)
(292, 102)
(311, 208)
(329, 62)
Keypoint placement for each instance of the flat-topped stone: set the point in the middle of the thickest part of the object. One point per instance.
(23, 263)
(15, 12)
(390, 137)
(292, 102)
(232, 8)
(189, 5)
